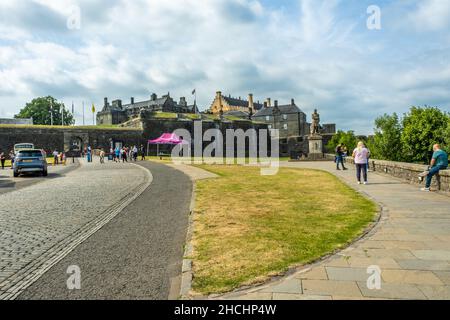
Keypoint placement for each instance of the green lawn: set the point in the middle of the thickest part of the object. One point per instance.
(249, 227)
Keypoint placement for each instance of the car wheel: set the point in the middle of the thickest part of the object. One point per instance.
(16, 174)
(45, 173)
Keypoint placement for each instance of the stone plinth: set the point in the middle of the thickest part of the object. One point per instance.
(315, 147)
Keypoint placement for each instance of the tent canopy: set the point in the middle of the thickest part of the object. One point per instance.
(167, 138)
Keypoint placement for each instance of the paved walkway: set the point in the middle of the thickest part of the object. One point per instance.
(410, 245)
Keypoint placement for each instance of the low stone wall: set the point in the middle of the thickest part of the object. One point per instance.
(62, 138)
(405, 171)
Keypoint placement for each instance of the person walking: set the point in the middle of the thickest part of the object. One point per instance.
(142, 150)
(3, 160)
(12, 156)
(89, 154)
(102, 156)
(124, 155)
(439, 161)
(55, 157)
(135, 153)
(340, 157)
(361, 154)
(117, 154)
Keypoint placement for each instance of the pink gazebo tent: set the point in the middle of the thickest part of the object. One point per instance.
(166, 138)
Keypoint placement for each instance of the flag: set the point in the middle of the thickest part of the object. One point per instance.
(93, 108)
(193, 91)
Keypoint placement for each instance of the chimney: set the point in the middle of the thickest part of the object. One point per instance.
(269, 102)
(276, 103)
(293, 102)
(132, 100)
(219, 95)
(154, 97)
(106, 101)
(265, 104)
(250, 101)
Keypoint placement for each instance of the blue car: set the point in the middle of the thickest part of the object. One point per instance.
(30, 161)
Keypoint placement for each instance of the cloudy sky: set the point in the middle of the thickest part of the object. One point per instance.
(319, 52)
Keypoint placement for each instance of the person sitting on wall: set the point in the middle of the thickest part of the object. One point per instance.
(439, 162)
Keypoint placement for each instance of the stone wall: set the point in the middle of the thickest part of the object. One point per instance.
(153, 128)
(62, 138)
(405, 171)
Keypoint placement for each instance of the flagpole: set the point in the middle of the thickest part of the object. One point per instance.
(62, 115)
(83, 114)
(73, 114)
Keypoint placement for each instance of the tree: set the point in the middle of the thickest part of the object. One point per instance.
(423, 127)
(341, 137)
(40, 109)
(447, 137)
(387, 142)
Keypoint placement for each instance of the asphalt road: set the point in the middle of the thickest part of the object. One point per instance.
(137, 255)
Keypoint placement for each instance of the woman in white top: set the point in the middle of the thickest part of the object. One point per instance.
(361, 155)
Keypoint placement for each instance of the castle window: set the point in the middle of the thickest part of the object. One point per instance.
(267, 118)
(284, 116)
(285, 126)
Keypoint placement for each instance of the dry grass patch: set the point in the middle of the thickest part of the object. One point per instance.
(248, 226)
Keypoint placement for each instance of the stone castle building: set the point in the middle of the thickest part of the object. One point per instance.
(289, 119)
(237, 106)
(117, 113)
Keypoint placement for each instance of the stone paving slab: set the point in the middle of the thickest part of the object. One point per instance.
(410, 245)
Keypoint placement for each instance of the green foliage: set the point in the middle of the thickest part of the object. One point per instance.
(40, 109)
(387, 142)
(348, 139)
(423, 127)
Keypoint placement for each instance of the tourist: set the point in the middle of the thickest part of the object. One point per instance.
(135, 153)
(89, 154)
(3, 160)
(439, 162)
(55, 157)
(344, 151)
(124, 155)
(63, 158)
(102, 156)
(340, 158)
(113, 154)
(142, 150)
(12, 156)
(361, 154)
(117, 154)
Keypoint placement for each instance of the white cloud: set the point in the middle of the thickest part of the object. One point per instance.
(132, 48)
(431, 15)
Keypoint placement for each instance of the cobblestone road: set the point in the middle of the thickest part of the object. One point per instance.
(41, 223)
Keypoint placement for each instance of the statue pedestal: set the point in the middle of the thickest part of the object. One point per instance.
(315, 147)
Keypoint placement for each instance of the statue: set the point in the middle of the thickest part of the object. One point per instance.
(315, 127)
